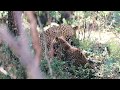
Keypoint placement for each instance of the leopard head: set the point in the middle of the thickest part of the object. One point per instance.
(63, 43)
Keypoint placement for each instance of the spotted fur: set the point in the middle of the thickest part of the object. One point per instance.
(56, 31)
(69, 52)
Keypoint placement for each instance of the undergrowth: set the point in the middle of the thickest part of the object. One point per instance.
(66, 70)
(109, 68)
(11, 64)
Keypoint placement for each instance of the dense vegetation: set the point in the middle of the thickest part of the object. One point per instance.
(98, 36)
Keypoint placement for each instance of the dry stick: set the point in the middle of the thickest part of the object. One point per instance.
(46, 50)
(35, 35)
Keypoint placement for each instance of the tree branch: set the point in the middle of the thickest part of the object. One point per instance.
(21, 48)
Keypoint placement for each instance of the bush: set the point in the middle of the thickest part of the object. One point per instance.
(10, 59)
(110, 69)
(114, 49)
(66, 70)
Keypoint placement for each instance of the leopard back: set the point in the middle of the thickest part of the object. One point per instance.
(56, 31)
(69, 52)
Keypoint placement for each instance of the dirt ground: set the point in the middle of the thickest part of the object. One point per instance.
(101, 37)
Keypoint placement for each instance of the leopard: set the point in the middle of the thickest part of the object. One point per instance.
(55, 31)
(69, 52)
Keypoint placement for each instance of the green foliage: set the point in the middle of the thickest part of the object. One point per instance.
(3, 14)
(117, 29)
(38, 13)
(2, 76)
(55, 14)
(110, 69)
(114, 48)
(111, 66)
(66, 70)
(116, 17)
(86, 44)
(64, 21)
(16, 68)
(76, 42)
(79, 13)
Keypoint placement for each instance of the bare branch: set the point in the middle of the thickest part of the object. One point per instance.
(46, 50)
(32, 65)
(34, 33)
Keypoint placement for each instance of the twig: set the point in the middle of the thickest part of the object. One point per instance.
(46, 50)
